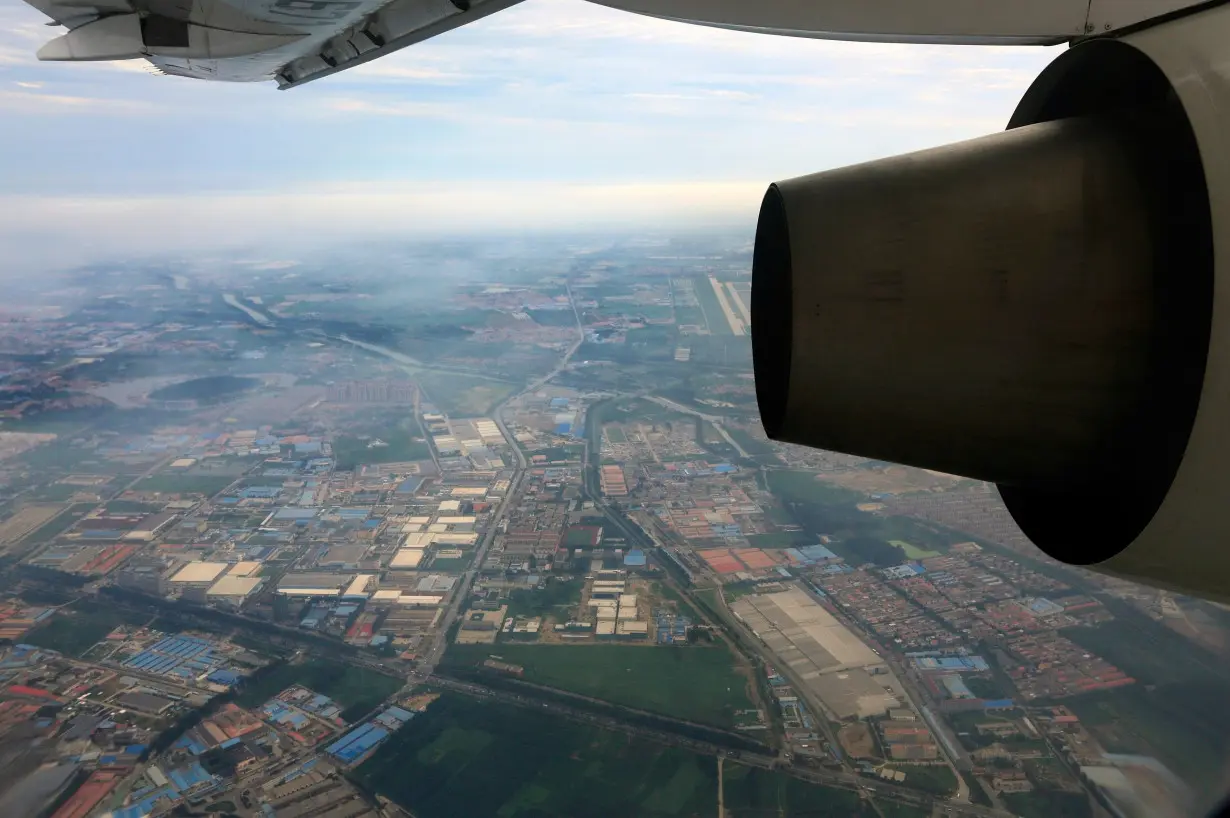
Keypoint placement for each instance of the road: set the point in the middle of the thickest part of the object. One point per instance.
(440, 642)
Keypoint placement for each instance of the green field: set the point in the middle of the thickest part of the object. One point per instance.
(894, 809)
(63, 455)
(913, 551)
(803, 487)
(1185, 726)
(933, 778)
(1148, 650)
(350, 451)
(208, 390)
(751, 445)
(1048, 804)
(463, 397)
(580, 537)
(1176, 712)
(698, 684)
(56, 526)
(63, 491)
(208, 485)
(822, 508)
(74, 633)
(615, 434)
(682, 605)
(466, 757)
(751, 791)
(556, 598)
(356, 689)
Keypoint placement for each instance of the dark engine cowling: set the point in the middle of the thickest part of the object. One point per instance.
(1038, 308)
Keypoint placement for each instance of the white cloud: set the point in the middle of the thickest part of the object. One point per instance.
(384, 69)
(488, 117)
(28, 102)
(433, 110)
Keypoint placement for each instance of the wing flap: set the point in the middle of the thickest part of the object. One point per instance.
(395, 26)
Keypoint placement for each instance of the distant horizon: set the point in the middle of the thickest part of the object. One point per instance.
(239, 224)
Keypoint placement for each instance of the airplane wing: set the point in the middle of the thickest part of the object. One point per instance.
(297, 41)
(290, 41)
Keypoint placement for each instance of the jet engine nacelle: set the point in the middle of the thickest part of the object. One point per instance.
(1047, 308)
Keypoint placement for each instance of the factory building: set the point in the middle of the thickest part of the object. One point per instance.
(358, 588)
(605, 589)
(148, 578)
(233, 591)
(636, 629)
(407, 559)
(313, 585)
(151, 526)
(198, 573)
(481, 627)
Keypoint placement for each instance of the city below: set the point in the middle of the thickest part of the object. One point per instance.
(493, 529)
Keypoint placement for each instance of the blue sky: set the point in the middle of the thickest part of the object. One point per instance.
(555, 113)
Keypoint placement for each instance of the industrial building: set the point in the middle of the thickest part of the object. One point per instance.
(799, 630)
(481, 627)
(232, 590)
(853, 693)
(407, 559)
(151, 526)
(824, 654)
(343, 556)
(607, 589)
(244, 568)
(313, 585)
(358, 588)
(147, 577)
(199, 573)
(636, 629)
(357, 742)
(455, 538)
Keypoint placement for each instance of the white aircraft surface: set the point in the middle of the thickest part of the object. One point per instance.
(297, 41)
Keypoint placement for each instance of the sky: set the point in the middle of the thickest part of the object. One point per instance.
(554, 114)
